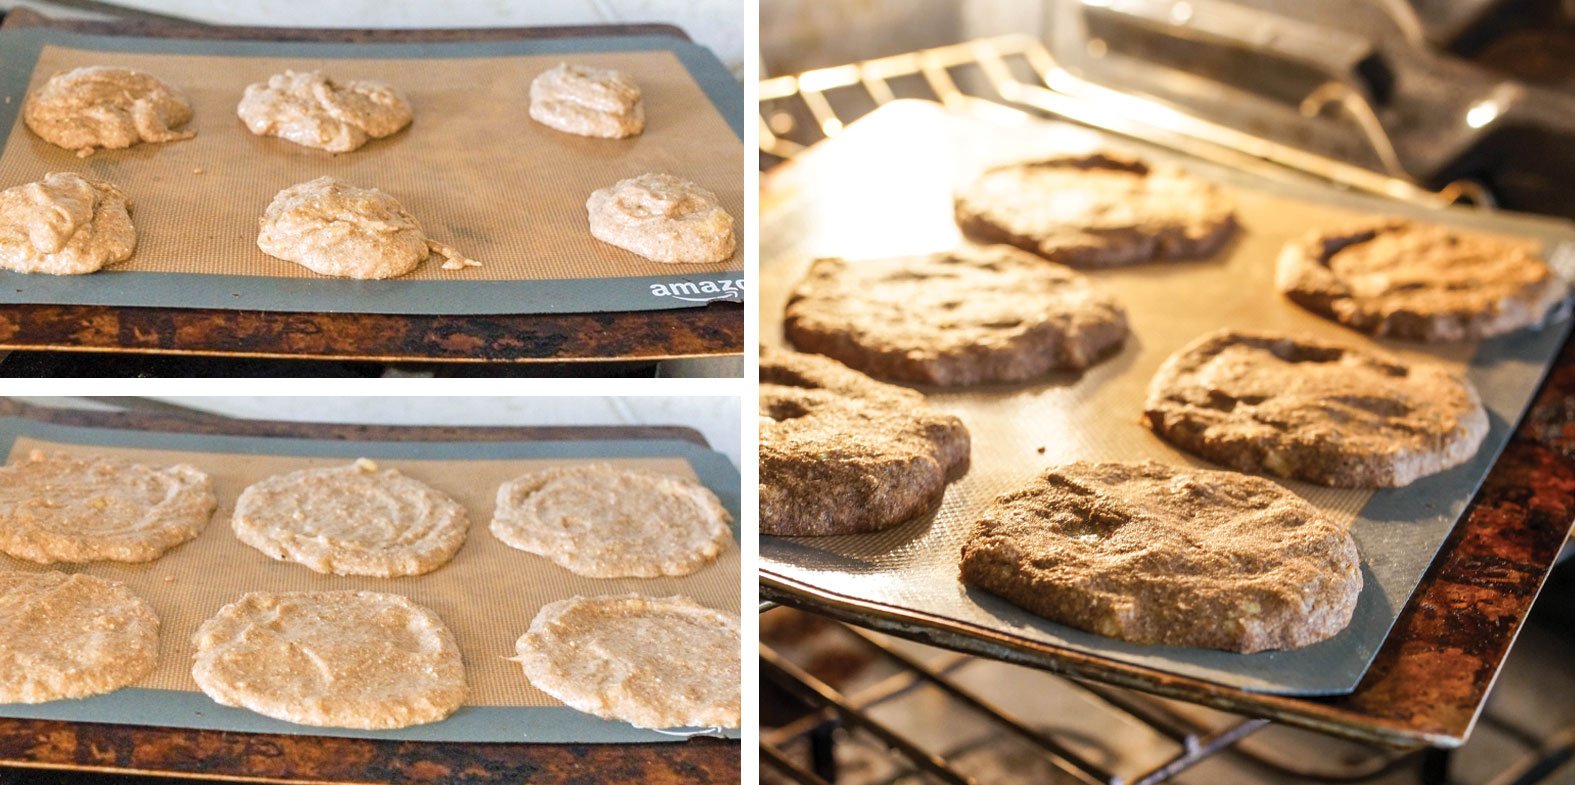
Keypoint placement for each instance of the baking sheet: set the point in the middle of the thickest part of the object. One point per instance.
(883, 188)
(472, 167)
(487, 595)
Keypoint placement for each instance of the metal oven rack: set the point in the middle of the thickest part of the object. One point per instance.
(1018, 71)
(1193, 740)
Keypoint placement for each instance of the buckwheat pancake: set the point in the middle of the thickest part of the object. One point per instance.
(56, 507)
(71, 636)
(603, 522)
(65, 224)
(1097, 210)
(342, 659)
(653, 662)
(312, 109)
(966, 316)
(1407, 279)
(351, 520)
(1162, 555)
(841, 453)
(98, 106)
(586, 101)
(1302, 407)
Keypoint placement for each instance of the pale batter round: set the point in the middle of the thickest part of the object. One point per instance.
(351, 520)
(651, 662)
(71, 636)
(342, 659)
(56, 507)
(604, 522)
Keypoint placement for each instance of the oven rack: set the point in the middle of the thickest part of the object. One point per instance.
(1194, 741)
(1019, 71)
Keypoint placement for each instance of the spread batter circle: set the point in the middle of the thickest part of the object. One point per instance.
(56, 507)
(602, 522)
(652, 662)
(71, 636)
(359, 519)
(340, 659)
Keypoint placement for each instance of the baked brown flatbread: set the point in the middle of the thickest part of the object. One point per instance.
(1096, 210)
(965, 316)
(1157, 554)
(1422, 282)
(1302, 407)
(841, 453)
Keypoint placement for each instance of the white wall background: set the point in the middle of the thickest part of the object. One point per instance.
(717, 418)
(717, 24)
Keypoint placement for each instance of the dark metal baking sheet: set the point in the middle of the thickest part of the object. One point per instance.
(891, 194)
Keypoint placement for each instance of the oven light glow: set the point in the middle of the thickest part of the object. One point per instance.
(1181, 13)
(1482, 112)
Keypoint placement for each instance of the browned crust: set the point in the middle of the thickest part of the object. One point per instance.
(1154, 554)
(841, 453)
(1304, 275)
(1394, 423)
(972, 315)
(1153, 238)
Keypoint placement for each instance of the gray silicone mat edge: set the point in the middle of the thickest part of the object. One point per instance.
(232, 292)
(555, 724)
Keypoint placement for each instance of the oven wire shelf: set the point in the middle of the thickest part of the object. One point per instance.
(1019, 71)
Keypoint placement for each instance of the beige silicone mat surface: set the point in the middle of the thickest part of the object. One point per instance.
(487, 595)
(884, 187)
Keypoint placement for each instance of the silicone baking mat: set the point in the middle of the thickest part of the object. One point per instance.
(473, 168)
(884, 188)
(487, 595)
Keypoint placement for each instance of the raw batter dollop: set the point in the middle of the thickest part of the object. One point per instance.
(64, 224)
(662, 218)
(331, 227)
(587, 101)
(101, 106)
(310, 109)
